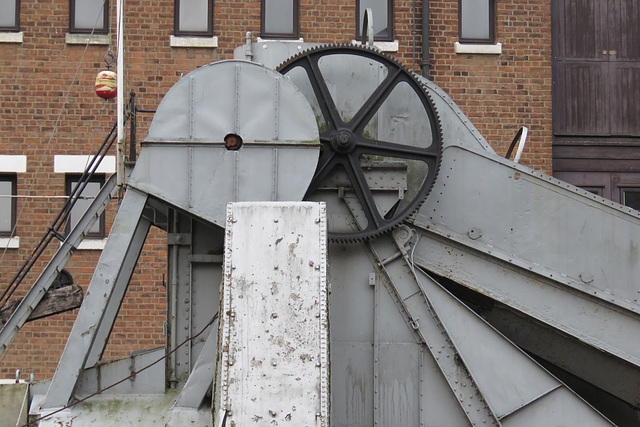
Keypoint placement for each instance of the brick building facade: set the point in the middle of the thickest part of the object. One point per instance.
(48, 110)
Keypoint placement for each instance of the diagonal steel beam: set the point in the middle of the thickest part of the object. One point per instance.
(57, 263)
(98, 299)
(117, 296)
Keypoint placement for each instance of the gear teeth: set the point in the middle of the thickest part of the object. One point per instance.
(432, 175)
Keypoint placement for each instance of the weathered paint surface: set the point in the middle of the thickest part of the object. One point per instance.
(273, 335)
(14, 402)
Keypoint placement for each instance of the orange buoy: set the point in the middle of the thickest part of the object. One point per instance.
(106, 84)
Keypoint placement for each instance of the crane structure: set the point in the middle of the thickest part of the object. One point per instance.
(346, 249)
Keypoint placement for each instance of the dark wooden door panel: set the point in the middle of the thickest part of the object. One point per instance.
(581, 26)
(596, 68)
(580, 98)
(624, 30)
(625, 103)
(595, 182)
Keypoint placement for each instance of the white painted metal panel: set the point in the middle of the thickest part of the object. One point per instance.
(274, 328)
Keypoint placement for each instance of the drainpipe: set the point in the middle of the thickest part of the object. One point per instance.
(425, 65)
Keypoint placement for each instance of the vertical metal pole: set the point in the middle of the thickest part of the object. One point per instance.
(376, 349)
(133, 122)
(120, 97)
(425, 65)
(173, 306)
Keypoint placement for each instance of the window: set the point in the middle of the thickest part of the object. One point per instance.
(193, 18)
(86, 197)
(631, 197)
(10, 16)
(382, 18)
(476, 21)
(8, 195)
(89, 16)
(279, 19)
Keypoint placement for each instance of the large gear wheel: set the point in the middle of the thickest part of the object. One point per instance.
(380, 134)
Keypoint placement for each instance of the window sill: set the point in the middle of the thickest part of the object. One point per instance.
(13, 163)
(261, 40)
(383, 46)
(206, 42)
(6, 37)
(78, 163)
(99, 39)
(89, 244)
(10, 242)
(480, 49)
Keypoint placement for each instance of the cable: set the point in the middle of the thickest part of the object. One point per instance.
(61, 218)
(53, 132)
(213, 319)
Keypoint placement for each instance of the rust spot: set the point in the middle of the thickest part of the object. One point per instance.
(516, 175)
(232, 142)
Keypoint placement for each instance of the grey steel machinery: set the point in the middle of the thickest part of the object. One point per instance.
(449, 286)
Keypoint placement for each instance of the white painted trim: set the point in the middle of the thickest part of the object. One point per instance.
(179, 41)
(4, 381)
(92, 244)
(10, 242)
(383, 46)
(11, 37)
(17, 164)
(261, 40)
(482, 49)
(101, 39)
(78, 163)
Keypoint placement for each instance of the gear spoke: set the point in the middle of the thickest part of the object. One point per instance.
(391, 149)
(326, 164)
(371, 106)
(362, 190)
(328, 107)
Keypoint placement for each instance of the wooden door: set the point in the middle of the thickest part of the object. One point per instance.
(596, 67)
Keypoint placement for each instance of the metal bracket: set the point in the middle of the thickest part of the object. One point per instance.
(367, 27)
(179, 239)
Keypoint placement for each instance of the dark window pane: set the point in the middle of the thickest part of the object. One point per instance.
(7, 203)
(381, 19)
(631, 198)
(194, 17)
(85, 198)
(279, 17)
(476, 20)
(89, 14)
(8, 17)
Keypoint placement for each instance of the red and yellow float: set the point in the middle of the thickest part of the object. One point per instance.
(106, 84)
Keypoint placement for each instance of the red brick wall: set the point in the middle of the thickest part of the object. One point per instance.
(500, 93)
(46, 84)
